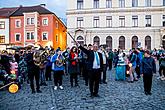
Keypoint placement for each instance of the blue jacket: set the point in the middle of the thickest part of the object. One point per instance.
(148, 66)
(133, 60)
(49, 62)
(54, 66)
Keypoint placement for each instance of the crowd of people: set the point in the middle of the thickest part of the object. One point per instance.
(90, 62)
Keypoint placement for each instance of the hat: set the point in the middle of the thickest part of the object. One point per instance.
(147, 51)
(58, 49)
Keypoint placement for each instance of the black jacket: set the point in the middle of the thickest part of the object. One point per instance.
(32, 68)
(148, 66)
(90, 59)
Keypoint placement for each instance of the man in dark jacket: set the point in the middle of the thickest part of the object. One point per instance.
(95, 63)
(33, 71)
(148, 67)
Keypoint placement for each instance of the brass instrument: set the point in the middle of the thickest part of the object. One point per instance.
(59, 61)
(40, 57)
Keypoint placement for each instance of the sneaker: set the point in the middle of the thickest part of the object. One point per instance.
(159, 77)
(163, 78)
(55, 87)
(61, 87)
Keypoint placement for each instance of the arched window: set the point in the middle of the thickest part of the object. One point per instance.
(134, 42)
(96, 40)
(163, 42)
(109, 42)
(80, 40)
(148, 42)
(122, 42)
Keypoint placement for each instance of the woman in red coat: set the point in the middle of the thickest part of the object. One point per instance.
(73, 66)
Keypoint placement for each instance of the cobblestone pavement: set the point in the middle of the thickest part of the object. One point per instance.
(116, 95)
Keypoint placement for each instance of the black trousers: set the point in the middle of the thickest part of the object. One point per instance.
(160, 70)
(110, 64)
(58, 77)
(94, 76)
(73, 76)
(147, 79)
(48, 73)
(137, 69)
(32, 75)
(103, 73)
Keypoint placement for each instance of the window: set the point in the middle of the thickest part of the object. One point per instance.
(79, 22)
(2, 39)
(121, 3)
(148, 20)
(163, 41)
(32, 35)
(163, 2)
(56, 24)
(96, 4)
(79, 4)
(148, 42)
(45, 21)
(134, 3)
(96, 22)
(135, 21)
(56, 38)
(96, 40)
(32, 20)
(163, 21)
(109, 21)
(28, 20)
(134, 42)
(122, 21)
(45, 36)
(108, 3)
(17, 37)
(28, 36)
(18, 23)
(109, 42)
(148, 3)
(122, 42)
(80, 40)
(2, 24)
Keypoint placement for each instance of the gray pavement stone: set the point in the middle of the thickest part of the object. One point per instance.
(116, 95)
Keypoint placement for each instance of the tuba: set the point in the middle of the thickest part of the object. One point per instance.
(40, 57)
(60, 60)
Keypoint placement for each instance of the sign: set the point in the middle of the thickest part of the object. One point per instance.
(139, 45)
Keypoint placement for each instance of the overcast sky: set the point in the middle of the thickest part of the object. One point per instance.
(56, 6)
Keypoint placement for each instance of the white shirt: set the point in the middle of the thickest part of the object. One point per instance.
(104, 58)
(95, 65)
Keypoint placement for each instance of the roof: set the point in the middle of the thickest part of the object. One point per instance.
(6, 12)
(40, 9)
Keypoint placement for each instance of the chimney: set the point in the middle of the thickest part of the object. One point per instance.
(20, 6)
(43, 5)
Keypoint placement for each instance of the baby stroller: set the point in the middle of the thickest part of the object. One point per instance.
(10, 81)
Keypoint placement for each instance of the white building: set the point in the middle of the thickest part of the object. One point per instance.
(4, 26)
(117, 23)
